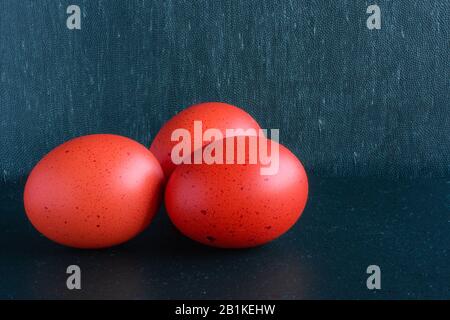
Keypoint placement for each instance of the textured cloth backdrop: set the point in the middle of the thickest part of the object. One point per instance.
(349, 101)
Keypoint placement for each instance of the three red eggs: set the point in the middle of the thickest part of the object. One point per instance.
(101, 190)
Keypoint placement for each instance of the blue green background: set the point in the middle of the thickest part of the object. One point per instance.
(349, 101)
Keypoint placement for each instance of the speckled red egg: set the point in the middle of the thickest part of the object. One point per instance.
(94, 191)
(234, 205)
(215, 115)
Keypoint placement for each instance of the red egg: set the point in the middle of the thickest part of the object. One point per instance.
(94, 191)
(235, 205)
(215, 115)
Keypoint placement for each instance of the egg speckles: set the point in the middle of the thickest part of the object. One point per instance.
(233, 205)
(94, 191)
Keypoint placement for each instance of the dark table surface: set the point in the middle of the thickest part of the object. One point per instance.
(348, 224)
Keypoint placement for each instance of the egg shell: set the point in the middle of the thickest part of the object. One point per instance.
(215, 115)
(94, 191)
(233, 205)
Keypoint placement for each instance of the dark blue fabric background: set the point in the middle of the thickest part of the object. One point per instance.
(349, 101)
